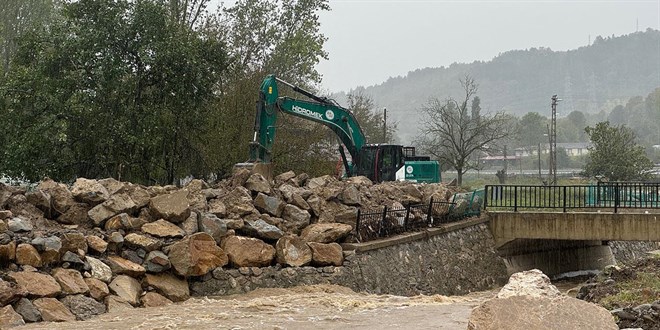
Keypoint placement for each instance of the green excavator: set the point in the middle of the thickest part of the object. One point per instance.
(378, 162)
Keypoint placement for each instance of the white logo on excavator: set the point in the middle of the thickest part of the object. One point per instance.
(306, 112)
(330, 115)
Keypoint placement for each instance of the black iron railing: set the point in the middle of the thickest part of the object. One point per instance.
(610, 195)
(373, 224)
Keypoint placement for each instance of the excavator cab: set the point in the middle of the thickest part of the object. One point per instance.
(380, 162)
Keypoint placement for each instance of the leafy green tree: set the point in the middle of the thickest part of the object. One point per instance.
(267, 37)
(116, 88)
(531, 130)
(452, 135)
(615, 154)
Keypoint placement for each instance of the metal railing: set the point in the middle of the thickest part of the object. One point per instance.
(374, 224)
(609, 195)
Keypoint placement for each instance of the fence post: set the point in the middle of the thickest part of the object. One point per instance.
(485, 197)
(357, 226)
(382, 221)
(564, 199)
(616, 197)
(515, 199)
(405, 221)
(428, 214)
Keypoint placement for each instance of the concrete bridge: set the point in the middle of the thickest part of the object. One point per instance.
(528, 234)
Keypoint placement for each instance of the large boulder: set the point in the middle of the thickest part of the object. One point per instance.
(61, 197)
(531, 283)
(248, 252)
(257, 183)
(527, 312)
(196, 255)
(212, 225)
(99, 270)
(52, 310)
(326, 254)
(97, 289)
(127, 288)
(172, 207)
(261, 229)
(162, 228)
(271, 205)
(137, 241)
(75, 215)
(217, 208)
(116, 304)
(293, 251)
(9, 318)
(239, 201)
(170, 286)
(120, 265)
(37, 284)
(295, 219)
(116, 204)
(26, 309)
(89, 191)
(27, 254)
(49, 248)
(10, 292)
(325, 232)
(350, 195)
(83, 307)
(70, 280)
(530, 301)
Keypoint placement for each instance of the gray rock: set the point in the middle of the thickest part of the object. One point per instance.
(116, 204)
(83, 307)
(29, 313)
(89, 191)
(99, 270)
(624, 314)
(261, 229)
(295, 219)
(71, 257)
(350, 195)
(212, 225)
(190, 225)
(271, 205)
(18, 224)
(156, 262)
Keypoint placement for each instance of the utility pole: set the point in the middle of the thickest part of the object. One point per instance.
(539, 154)
(384, 125)
(553, 140)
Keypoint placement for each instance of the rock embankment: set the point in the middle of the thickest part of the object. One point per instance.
(72, 252)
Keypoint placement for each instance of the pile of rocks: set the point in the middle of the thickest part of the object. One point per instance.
(70, 253)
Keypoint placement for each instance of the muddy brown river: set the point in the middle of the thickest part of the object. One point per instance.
(305, 307)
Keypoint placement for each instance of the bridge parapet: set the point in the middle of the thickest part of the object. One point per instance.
(609, 195)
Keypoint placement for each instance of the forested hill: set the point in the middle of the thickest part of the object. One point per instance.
(589, 79)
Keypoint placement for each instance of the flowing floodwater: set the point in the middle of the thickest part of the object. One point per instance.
(304, 307)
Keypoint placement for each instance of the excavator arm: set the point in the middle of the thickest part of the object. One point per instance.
(321, 110)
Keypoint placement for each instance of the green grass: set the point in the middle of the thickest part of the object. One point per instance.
(644, 289)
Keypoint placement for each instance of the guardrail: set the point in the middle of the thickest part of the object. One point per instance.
(614, 195)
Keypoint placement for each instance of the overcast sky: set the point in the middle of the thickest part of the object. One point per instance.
(372, 40)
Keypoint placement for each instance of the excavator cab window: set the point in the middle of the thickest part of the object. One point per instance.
(380, 162)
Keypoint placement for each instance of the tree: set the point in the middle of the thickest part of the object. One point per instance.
(453, 135)
(363, 108)
(531, 130)
(615, 154)
(113, 89)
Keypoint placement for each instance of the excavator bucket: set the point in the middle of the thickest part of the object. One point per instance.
(265, 169)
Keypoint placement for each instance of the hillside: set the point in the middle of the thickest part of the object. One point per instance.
(589, 79)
